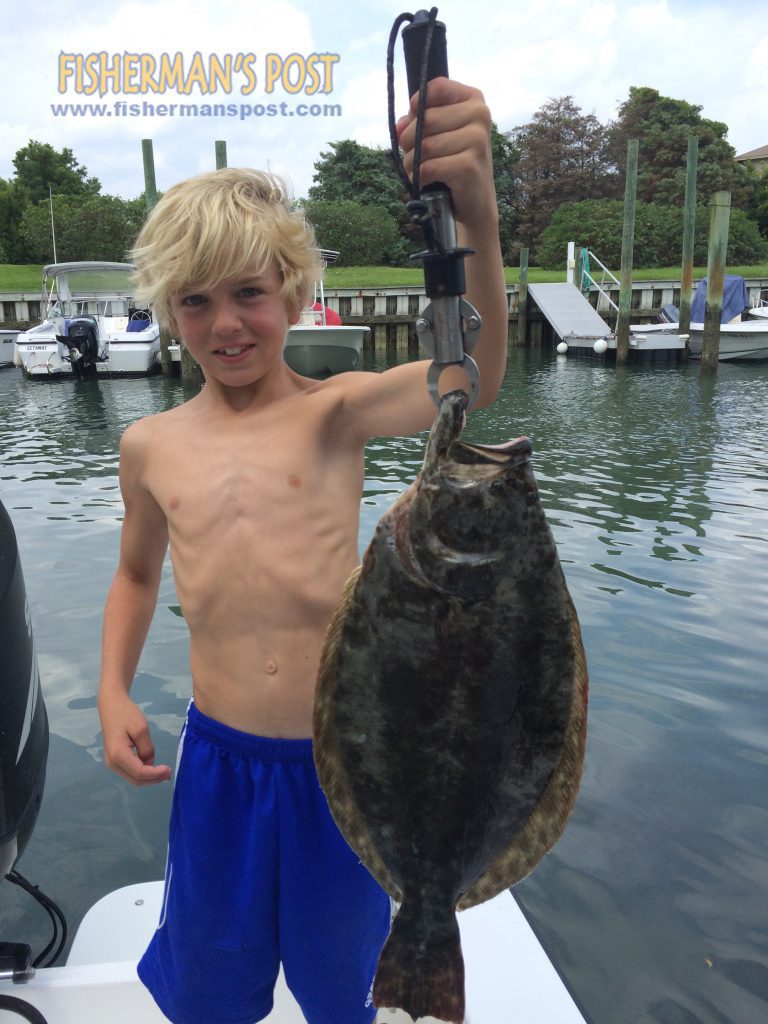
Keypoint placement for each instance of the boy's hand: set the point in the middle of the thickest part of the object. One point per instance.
(456, 147)
(128, 747)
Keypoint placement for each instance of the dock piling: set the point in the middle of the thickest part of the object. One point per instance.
(689, 224)
(150, 186)
(221, 154)
(627, 246)
(719, 219)
(522, 300)
(191, 374)
(166, 361)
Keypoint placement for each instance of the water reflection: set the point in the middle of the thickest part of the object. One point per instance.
(656, 485)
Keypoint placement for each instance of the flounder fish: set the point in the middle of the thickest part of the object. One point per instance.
(450, 714)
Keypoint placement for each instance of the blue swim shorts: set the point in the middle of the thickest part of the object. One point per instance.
(258, 874)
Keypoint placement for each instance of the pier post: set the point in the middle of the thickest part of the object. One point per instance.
(191, 374)
(150, 187)
(689, 223)
(627, 246)
(165, 354)
(719, 219)
(221, 155)
(522, 300)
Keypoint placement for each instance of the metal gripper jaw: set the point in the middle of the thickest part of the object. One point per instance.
(448, 330)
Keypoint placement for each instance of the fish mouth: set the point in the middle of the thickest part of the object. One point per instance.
(444, 440)
(512, 453)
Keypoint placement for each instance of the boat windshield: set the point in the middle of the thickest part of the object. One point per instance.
(95, 305)
(93, 284)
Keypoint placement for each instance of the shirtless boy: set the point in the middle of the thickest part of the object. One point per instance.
(263, 529)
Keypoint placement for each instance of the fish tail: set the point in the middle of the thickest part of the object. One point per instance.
(421, 969)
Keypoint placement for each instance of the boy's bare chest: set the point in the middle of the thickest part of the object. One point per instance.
(235, 486)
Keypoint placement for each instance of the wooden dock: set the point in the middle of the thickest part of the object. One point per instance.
(392, 312)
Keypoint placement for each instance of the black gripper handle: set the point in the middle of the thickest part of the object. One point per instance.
(414, 38)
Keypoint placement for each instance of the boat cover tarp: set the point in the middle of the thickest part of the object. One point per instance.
(735, 299)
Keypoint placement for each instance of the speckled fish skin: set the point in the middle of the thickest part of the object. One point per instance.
(450, 715)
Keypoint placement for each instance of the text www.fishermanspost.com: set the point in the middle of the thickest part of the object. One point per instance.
(241, 111)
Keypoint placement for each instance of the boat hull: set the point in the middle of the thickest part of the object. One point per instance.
(746, 342)
(43, 359)
(324, 351)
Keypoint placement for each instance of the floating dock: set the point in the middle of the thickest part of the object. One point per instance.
(579, 326)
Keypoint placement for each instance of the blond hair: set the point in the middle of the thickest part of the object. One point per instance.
(211, 227)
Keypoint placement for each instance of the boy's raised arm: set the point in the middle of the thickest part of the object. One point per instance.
(128, 747)
(456, 150)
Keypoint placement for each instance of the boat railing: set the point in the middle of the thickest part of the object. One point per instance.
(588, 280)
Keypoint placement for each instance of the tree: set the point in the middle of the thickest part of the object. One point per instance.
(662, 126)
(91, 228)
(560, 161)
(597, 224)
(350, 172)
(38, 166)
(364, 235)
(505, 156)
(756, 183)
(12, 203)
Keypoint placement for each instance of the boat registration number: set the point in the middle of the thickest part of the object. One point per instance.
(36, 348)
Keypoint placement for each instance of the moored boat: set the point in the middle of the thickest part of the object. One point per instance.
(93, 327)
(740, 342)
(315, 347)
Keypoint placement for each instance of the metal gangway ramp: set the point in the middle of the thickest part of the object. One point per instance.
(570, 313)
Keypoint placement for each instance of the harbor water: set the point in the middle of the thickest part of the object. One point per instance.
(654, 905)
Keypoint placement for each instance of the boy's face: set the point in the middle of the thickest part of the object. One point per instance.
(236, 329)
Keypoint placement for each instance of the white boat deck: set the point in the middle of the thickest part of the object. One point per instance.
(508, 974)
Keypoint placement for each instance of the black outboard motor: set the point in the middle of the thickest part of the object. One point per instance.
(82, 340)
(23, 718)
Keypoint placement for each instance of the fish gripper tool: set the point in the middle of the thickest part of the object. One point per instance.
(449, 327)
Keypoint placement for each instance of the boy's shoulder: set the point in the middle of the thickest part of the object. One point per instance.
(153, 429)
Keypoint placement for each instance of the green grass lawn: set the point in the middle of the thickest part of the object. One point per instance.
(20, 279)
(27, 279)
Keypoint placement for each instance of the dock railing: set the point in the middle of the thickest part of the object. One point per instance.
(588, 280)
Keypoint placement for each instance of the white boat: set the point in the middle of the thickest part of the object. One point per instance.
(317, 348)
(92, 326)
(739, 342)
(320, 350)
(508, 973)
(746, 341)
(7, 347)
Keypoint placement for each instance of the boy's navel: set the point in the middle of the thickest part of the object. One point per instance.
(270, 666)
